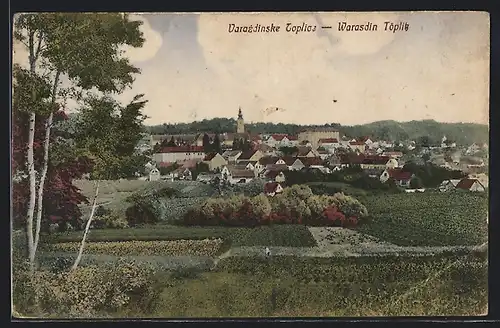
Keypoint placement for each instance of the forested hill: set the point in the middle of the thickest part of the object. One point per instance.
(461, 133)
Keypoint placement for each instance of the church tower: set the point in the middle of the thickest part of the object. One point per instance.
(240, 124)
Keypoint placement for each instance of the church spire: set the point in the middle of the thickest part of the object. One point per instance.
(240, 114)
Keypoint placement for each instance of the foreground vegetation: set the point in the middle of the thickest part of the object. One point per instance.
(281, 286)
(206, 247)
(275, 235)
(428, 219)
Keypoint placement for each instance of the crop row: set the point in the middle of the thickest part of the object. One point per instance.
(205, 247)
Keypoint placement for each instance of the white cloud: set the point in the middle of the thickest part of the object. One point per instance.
(153, 42)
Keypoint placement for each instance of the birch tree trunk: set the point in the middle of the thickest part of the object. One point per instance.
(87, 228)
(31, 164)
(32, 185)
(41, 184)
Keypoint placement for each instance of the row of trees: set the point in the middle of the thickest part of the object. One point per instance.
(50, 151)
(426, 132)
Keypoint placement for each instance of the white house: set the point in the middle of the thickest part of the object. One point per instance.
(154, 174)
(178, 154)
(274, 140)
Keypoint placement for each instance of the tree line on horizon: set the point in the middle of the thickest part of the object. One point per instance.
(462, 133)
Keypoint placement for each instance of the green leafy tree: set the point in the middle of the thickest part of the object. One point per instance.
(108, 132)
(85, 49)
(216, 145)
(207, 147)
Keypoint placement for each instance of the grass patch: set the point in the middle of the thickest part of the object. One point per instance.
(446, 285)
(427, 219)
(276, 235)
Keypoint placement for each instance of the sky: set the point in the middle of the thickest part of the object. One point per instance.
(192, 68)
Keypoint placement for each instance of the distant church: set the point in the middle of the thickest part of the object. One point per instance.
(240, 123)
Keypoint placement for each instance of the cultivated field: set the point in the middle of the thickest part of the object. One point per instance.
(428, 219)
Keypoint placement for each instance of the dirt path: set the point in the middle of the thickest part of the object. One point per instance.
(341, 242)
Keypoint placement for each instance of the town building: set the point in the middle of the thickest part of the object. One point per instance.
(315, 134)
(179, 153)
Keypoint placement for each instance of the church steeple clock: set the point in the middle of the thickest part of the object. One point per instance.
(240, 123)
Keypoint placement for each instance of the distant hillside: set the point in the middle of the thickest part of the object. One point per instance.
(461, 133)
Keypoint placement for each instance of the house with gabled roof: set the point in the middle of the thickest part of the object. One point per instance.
(272, 188)
(247, 165)
(293, 163)
(275, 176)
(303, 151)
(471, 185)
(250, 155)
(266, 160)
(214, 161)
(402, 178)
(237, 175)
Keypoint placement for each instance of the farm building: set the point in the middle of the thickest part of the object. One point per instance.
(471, 185)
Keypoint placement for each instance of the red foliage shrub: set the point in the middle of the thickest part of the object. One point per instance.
(245, 216)
(61, 197)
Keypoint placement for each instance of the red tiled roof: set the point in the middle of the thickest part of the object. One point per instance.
(328, 140)
(292, 138)
(272, 174)
(182, 149)
(270, 187)
(289, 160)
(376, 160)
(356, 143)
(303, 151)
(399, 174)
(352, 159)
(308, 161)
(210, 156)
(266, 160)
(466, 183)
(247, 155)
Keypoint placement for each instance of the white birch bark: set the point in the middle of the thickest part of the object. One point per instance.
(87, 228)
(41, 184)
(31, 165)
